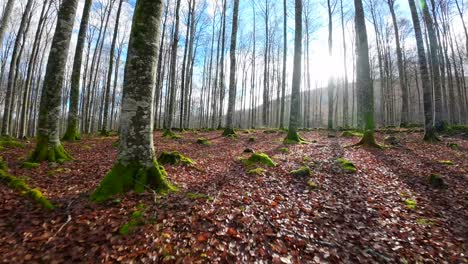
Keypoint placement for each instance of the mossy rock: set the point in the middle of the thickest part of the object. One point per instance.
(260, 159)
(30, 165)
(351, 133)
(257, 171)
(446, 162)
(248, 150)
(252, 139)
(169, 134)
(174, 158)
(203, 141)
(392, 140)
(21, 186)
(283, 150)
(346, 165)
(312, 184)
(301, 172)
(196, 196)
(410, 204)
(436, 181)
(136, 219)
(453, 146)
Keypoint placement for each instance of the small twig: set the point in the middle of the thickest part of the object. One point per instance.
(69, 218)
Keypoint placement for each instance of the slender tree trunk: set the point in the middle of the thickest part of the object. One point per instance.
(229, 130)
(5, 18)
(48, 146)
(109, 74)
(429, 134)
(294, 118)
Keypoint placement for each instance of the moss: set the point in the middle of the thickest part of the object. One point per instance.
(104, 133)
(436, 181)
(136, 219)
(410, 204)
(229, 132)
(59, 170)
(72, 134)
(252, 139)
(257, 171)
(9, 142)
(368, 140)
(270, 131)
(260, 158)
(446, 162)
(135, 176)
(48, 152)
(453, 146)
(203, 141)
(293, 138)
(169, 134)
(283, 150)
(346, 165)
(30, 165)
(425, 221)
(301, 172)
(351, 133)
(21, 186)
(230, 136)
(196, 196)
(312, 184)
(174, 158)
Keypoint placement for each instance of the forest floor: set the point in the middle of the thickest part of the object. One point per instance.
(385, 212)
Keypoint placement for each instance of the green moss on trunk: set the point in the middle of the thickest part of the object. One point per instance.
(228, 132)
(431, 136)
(293, 138)
(47, 151)
(72, 134)
(136, 177)
(368, 140)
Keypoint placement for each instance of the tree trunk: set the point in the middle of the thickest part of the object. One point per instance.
(429, 134)
(136, 167)
(294, 118)
(229, 130)
(110, 72)
(5, 18)
(48, 146)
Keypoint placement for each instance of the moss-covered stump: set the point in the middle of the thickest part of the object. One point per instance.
(351, 133)
(229, 132)
(259, 159)
(203, 141)
(24, 189)
(174, 158)
(136, 177)
(346, 165)
(301, 172)
(52, 152)
(436, 181)
(72, 134)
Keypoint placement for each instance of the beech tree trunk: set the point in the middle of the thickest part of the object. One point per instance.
(294, 118)
(229, 130)
(136, 167)
(48, 146)
(5, 18)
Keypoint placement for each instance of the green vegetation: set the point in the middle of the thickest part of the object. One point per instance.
(346, 165)
(195, 196)
(257, 171)
(19, 185)
(410, 204)
(425, 221)
(136, 219)
(9, 142)
(312, 184)
(260, 159)
(446, 162)
(203, 141)
(174, 158)
(436, 181)
(169, 134)
(301, 172)
(134, 176)
(352, 133)
(453, 146)
(30, 165)
(46, 151)
(283, 150)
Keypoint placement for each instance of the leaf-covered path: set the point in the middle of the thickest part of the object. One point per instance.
(385, 212)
